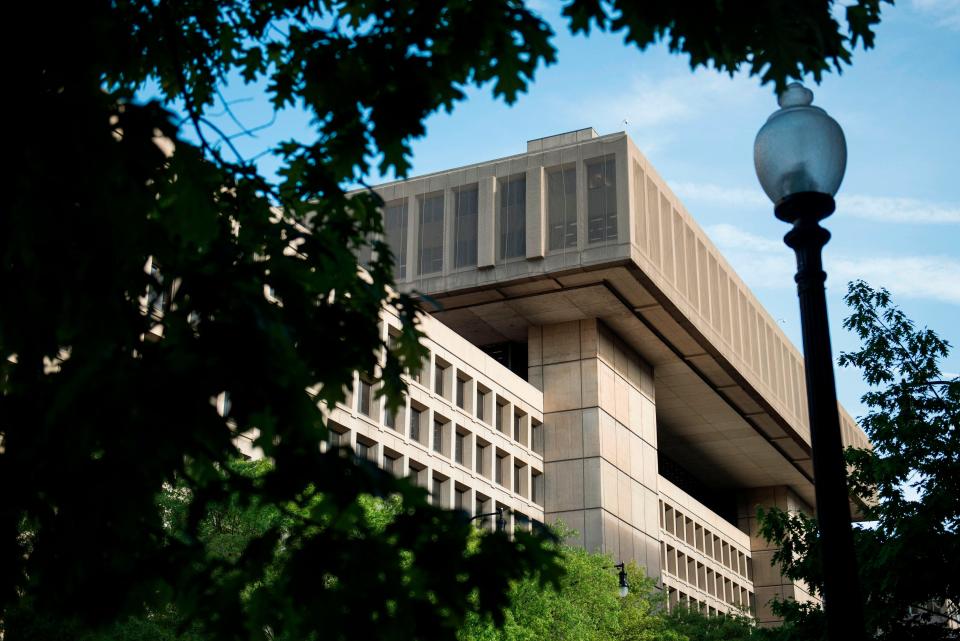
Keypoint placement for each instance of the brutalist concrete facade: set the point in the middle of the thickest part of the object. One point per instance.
(670, 403)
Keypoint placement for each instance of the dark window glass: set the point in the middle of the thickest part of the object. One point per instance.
(415, 424)
(438, 372)
(461, 393)
(458, 453)
(465, 207)
(390, 464)
(481, 449)
(363, 450)
(437, 436)
(513, 215)
(431, 234)
(366, 397)
(562, 207)
(602, 200)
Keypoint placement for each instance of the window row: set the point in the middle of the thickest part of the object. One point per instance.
(490, 462)
(473, 397)
(695, 573)
(703, 540)
(678, 598)
(511, 422)
(510, 218)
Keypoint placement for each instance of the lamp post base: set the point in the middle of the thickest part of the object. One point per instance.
(842, 602)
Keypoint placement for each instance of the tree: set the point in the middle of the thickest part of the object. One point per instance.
(909, 484)
(128, 220)
(696, 626)
(584, 606)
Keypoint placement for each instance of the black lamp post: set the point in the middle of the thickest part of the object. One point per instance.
(622, 575)
(800, 156)
(501, 522)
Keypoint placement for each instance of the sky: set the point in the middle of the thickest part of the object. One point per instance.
(897, 223)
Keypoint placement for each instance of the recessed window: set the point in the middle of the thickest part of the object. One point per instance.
(366, 402)
(500, 411)
(366, 449)
(422, 375)
(461, 497)
(416, 422)
(465, 208)
(393, 418)
(518, 473)
(482, 467)
(391, 461)
(338, 435)
(562, 207)
(519, 427)
(438, 435)
(602, 199)
(502, 473)
(536, 487)
(431, 234)
(441, 373)
(395, 228)
(536, 436)
(513, 216)
(482, 395)
(417, 472)
(459, 446)
(463, 392)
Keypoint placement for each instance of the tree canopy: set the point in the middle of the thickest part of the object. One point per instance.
(909, 484)
(146, 270)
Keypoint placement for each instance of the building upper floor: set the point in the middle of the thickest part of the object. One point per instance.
(581, 226)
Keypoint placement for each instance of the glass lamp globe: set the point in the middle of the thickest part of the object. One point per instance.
(800, 148)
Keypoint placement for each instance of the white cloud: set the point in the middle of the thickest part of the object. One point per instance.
(897, 210)
(715, 194)
(947, 12)
(886, 209)
(732, 237)
(766, 263)
(926, 277)
(652, 106)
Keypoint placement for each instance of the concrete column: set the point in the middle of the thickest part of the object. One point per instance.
(486, 221)
(767, 580)
(536, 213)
(599, 422)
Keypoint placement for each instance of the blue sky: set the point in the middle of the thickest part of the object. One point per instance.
(898, 219)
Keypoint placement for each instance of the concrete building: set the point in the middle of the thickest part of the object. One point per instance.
(595, 360)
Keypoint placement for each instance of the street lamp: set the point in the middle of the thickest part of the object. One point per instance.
(800, 155)
(501, 522)
(624, 586)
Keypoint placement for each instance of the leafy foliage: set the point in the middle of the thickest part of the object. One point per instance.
(696, 626)
(147, 268)
(909, 482)
(776, 40)
(584, 605)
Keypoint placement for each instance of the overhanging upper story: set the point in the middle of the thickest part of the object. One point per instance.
(581, 226)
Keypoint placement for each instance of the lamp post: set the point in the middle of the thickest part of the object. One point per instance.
(800, 156)
(501, 522)
(622, 575)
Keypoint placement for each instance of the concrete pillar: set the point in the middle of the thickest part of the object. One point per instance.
(486, 222)
(767, 580)
(536, 213)
(599, 422)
